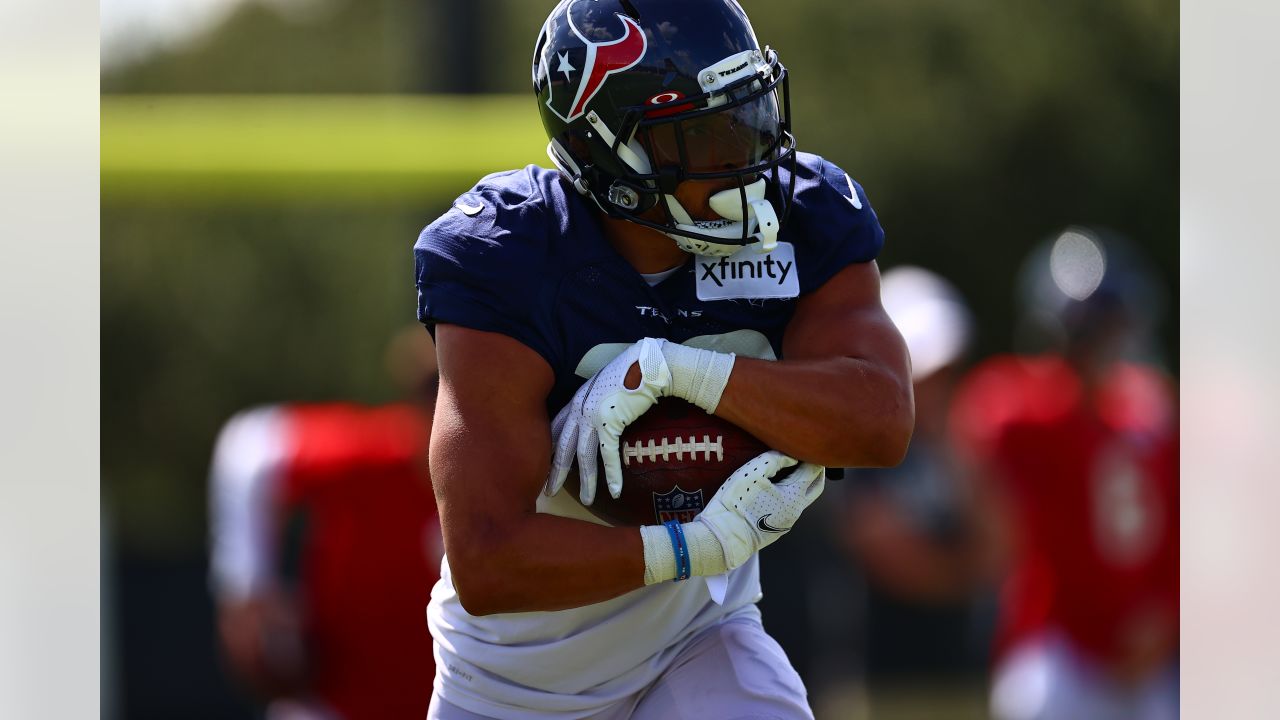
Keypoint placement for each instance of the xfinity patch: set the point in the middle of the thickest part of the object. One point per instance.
(748, 274)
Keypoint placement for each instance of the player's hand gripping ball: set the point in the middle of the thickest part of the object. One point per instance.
(588, 429)
(760, 503)
(674, 458)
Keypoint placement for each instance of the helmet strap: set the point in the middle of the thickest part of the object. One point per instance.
(761, 219)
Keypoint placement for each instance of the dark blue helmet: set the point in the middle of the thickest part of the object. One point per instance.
(638, 96)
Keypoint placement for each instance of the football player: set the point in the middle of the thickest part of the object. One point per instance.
(325, 544)
(1077, 446)
(914, 530)
(682, 246)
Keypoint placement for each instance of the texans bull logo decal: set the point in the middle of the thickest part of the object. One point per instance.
(569, 98)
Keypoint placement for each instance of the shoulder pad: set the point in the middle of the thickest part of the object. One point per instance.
(831, 221)
(482, 263)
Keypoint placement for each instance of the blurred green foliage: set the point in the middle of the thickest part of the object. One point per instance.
(256, 150)
(321, 47)
(207, 310)
(258, 249)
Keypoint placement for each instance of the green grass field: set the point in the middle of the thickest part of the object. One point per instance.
(264, 148)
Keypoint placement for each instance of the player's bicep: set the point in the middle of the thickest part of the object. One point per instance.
(490, 441)
(844, 318)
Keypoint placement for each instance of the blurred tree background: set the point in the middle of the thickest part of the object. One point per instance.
(978, 128)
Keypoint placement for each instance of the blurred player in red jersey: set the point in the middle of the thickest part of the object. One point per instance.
(1080, 446)
(915, 530)
(325, 546)
(907, 525)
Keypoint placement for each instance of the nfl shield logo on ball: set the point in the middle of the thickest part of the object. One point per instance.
(677, 504)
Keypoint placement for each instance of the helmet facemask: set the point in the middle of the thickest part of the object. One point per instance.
(736, 133)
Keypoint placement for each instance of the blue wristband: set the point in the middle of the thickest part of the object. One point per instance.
(683, 569)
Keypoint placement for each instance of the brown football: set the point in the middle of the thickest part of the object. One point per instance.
(674, 458)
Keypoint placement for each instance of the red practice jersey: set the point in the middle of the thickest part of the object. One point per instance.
(1092, 481)
(349, 512)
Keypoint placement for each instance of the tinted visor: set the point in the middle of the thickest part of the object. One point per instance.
(719, 141)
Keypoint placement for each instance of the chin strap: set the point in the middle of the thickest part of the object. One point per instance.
(761, 220)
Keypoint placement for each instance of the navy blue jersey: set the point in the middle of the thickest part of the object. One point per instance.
(522, 255)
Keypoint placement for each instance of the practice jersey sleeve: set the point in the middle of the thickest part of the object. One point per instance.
(249, 462)
(831, 224)
(345, 442)
(482, 263)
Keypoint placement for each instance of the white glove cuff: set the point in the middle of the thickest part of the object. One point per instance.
(698, 375)
(659, 554)
(706, 556)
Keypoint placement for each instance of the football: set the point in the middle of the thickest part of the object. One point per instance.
(674, 458)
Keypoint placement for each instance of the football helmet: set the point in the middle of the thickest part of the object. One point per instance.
(1087, 289)
(931, 315)
(638, 96)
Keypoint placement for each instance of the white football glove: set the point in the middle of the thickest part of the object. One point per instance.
(749, 511)
(698, 375)
(597, 414)
(603, 407)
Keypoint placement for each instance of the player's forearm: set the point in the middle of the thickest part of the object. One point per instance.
(262, 642)
(542, 562)
(838, 412)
